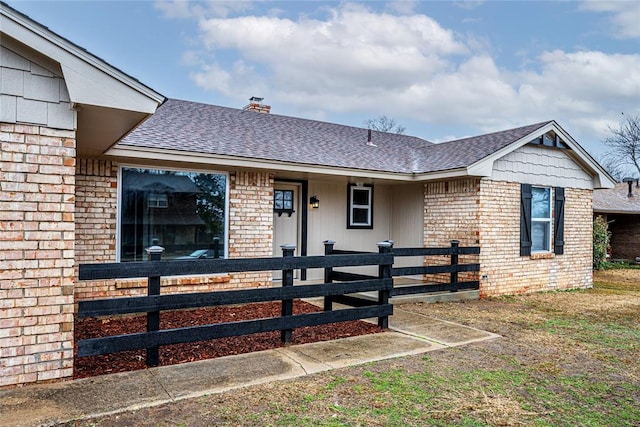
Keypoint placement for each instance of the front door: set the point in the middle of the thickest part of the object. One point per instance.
(286, 210)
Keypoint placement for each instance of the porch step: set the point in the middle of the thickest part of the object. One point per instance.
(464, 295)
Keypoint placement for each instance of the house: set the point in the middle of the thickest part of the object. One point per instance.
(96, 166)
(620, 207)
(59, 104)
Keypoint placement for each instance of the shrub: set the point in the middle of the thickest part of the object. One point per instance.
(601, 237)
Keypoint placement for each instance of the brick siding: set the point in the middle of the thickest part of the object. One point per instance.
(37, 185)
(451, 213)
(625, 236)
(504, 271)
(487, 213)
(251, 222)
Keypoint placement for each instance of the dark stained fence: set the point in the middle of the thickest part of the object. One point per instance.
(153, 303)
(453, 268)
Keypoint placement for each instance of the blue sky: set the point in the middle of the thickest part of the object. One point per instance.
(443, 69)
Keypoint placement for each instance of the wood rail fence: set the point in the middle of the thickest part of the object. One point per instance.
(453, 268)
(338, 286)
(153, 303)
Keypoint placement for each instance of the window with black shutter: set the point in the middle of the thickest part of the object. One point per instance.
(537, 221)
(558, 222)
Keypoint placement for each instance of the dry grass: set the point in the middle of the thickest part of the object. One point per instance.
(566, 358)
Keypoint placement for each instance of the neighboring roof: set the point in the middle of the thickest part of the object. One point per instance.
(616, 200)
(138, 181)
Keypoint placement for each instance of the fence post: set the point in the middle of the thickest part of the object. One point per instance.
(454, 263)
(384, 272)
(328, 272)
(286, 335)
(153, 317)
(216, 247)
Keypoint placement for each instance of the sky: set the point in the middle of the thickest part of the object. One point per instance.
(442, 69)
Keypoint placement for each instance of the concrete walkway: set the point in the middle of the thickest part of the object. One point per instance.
(49, 404)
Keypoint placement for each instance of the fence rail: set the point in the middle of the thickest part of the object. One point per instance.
(453, 268)
(154, 303)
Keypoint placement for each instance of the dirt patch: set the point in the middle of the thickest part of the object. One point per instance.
(190, 352)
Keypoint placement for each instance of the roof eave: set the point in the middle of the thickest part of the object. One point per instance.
(616, 211)
(150, 155)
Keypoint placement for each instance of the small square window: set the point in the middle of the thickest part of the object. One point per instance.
(360, 206)
(283, 201)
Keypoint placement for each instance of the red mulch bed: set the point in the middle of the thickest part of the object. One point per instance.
(189, 352)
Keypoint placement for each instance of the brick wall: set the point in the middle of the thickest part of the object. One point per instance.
(487, 213)
(96, 211)
(504, 271)
(251, 222)
(451, 213)
(37, 237)
(625, 236)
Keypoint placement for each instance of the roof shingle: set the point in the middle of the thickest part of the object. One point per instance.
(616, 200)
(209, 129)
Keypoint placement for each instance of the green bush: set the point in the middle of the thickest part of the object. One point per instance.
(601, 237)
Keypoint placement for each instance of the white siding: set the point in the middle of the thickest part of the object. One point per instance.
(407, 224)
(539, 165)
(32, 94)
(329, 221)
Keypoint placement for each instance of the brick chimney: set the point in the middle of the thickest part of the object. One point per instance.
(256, 105)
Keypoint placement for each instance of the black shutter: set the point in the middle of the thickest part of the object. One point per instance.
(525, 219)
(558, 222)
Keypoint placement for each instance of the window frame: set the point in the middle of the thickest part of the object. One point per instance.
(284, 209)
(351, 224)
(546, 220)
(160, 201)
(120, 189)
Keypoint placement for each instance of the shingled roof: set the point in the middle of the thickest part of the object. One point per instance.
(616, 200)
(209, 129)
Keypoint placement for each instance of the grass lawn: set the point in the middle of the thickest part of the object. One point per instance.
(565, 359)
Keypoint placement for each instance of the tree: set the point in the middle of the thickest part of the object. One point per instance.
(601, 237)
(210, 203)
(385, 124)
(615, 169)
(624, 144)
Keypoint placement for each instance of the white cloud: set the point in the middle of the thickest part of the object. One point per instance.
(353, 50)
(624, 16)
(357, 61)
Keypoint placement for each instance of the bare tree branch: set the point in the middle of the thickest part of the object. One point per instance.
(385, 124)
(624, 144)
(612, 166)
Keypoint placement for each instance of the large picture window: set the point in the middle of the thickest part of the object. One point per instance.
(360, 205)
(184, 212)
